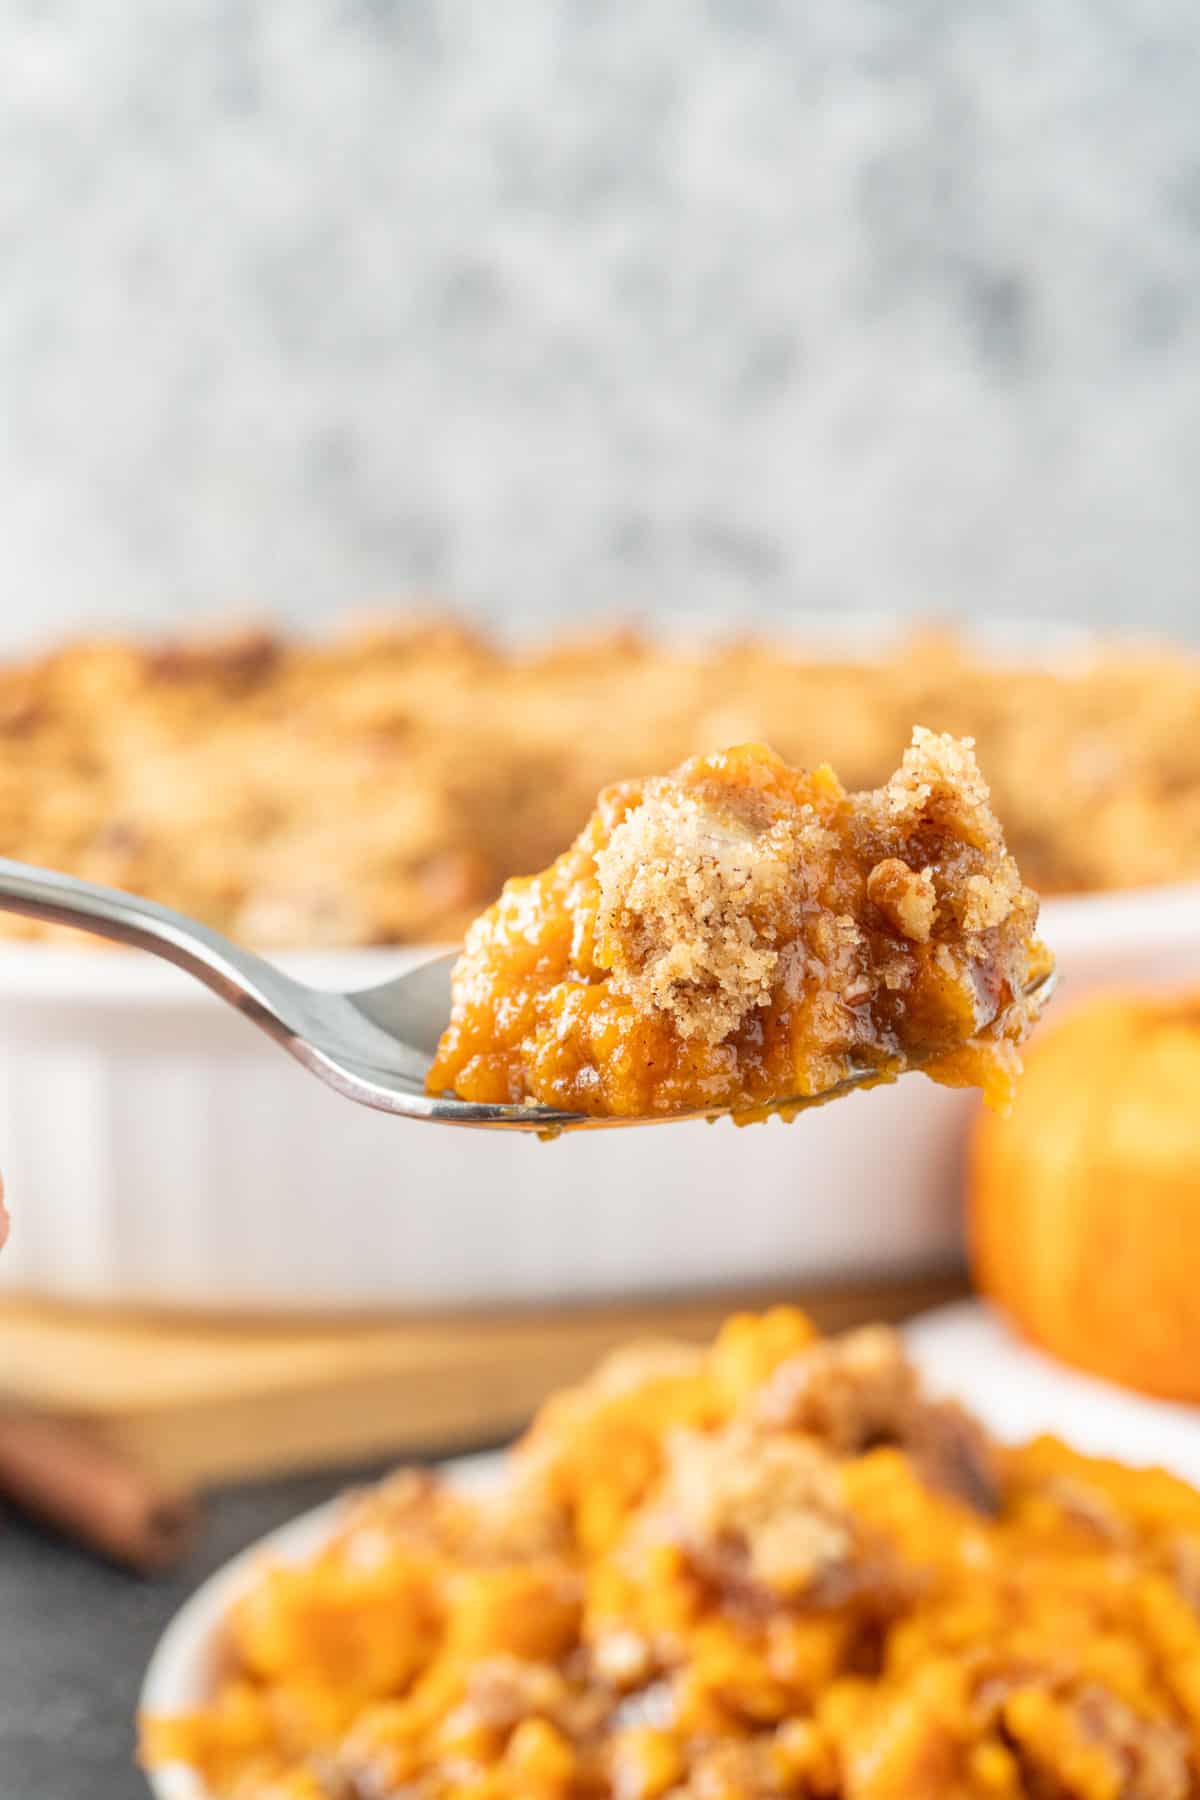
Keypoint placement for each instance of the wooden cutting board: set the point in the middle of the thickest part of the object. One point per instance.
(204, 1399)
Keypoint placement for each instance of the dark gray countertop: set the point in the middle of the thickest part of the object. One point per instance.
(75, 1637)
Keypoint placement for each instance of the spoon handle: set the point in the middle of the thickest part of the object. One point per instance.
(246, 981)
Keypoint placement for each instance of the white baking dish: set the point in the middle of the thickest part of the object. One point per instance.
(158, 1150)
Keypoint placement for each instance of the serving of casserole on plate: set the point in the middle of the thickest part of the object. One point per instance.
(352, 803)
(775, 1568)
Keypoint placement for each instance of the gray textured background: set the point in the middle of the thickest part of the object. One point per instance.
(556, 305)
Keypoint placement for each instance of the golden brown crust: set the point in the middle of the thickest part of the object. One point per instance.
(379, 787)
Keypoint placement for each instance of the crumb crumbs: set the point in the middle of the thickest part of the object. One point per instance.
(906, 897)
(683, 890)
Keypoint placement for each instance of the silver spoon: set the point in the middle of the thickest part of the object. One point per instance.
(374, 1045)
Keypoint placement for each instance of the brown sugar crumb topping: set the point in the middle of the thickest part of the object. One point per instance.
(859, 1391)
(380, 786)
(690, 899)
(758, 1511)
(906, 897)
(740, 933)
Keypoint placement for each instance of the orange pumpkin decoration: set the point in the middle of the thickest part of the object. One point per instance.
(1085, 1202)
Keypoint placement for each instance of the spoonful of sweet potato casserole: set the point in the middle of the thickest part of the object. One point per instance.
(742, 936)
(736, 937)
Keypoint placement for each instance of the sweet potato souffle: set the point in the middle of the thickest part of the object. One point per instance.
(773, 1569)
(380, 786)
(743, 934)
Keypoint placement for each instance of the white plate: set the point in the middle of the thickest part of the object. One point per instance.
(1019, 1392)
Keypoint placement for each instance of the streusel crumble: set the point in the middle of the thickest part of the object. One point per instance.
(379, 787)
(741, 933)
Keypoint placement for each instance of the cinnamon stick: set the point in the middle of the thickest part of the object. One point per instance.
(66, 1477)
